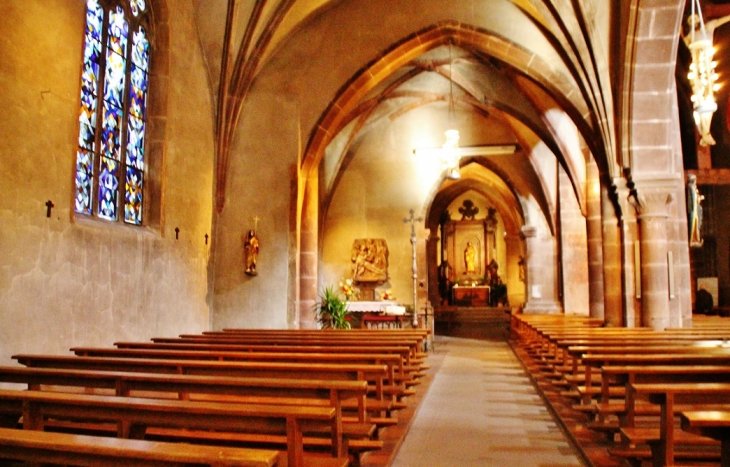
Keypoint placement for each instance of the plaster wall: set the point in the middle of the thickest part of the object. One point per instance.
(65, 281)
(261, 183)
(573, 251)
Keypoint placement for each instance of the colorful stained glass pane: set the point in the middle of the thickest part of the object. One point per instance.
(90, 77)
(137, 92)
(87, 120)
(140, 49)
(137, 6)
(111, 132)
(135, 142)
(108, 188)
(114, 79)
(133, 196)
(118, 32)
(84, 178)
(94, 21)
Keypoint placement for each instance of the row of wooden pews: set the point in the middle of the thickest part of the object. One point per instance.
(235, 397)
(660, 397)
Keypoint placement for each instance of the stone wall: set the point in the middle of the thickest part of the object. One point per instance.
(66, 281)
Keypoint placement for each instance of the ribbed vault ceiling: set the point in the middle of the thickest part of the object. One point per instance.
(499, 76)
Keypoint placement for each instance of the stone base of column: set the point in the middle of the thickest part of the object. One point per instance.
(308, 324)
(544, 307)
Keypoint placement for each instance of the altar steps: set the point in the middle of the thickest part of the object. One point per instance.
(474, 322)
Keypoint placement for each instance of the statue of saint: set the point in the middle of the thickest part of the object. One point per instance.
(493, 272)
(694, 211)
(522, 270)
(251, 246)
(470, 258)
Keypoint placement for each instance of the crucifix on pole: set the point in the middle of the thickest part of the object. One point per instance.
(414, 268)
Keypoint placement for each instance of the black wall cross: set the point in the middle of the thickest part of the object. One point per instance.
(49, 206)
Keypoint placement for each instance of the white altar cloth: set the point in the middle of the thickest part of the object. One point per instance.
(376, 306)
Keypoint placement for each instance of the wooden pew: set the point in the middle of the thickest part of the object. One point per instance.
(415, 344)
(366, 337)
(594, 362)
(327, 371)
(187, 387)
(83, 450)
(397, 371)
(615, 410)
(402, 351)
(669, 396)
(418, 332)
(136, 416)
(714, 424)
(577, 355)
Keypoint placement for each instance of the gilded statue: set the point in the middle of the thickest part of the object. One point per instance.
(251, 246)
(470, 258)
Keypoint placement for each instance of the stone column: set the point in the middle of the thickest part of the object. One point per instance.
(515, 286)
(652, 207)
(308, 254)
(433, 243)
(612, 278)
(596, 304)
(540, 274)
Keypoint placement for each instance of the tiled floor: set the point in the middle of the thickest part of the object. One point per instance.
(480, 409)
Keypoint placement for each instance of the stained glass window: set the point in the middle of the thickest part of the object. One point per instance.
(110, 164)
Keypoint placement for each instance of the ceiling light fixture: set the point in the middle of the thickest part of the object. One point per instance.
(702, 75)
(450, 155)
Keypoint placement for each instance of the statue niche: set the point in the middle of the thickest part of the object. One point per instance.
(468, 258)
(369, 259)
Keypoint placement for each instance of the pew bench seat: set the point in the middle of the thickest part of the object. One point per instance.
(711, 423)
(355, 447)
(134, 416)
(355, 443)
(638, 456)
(83, 450)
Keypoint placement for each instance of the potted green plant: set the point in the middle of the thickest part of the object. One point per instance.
(332, 310)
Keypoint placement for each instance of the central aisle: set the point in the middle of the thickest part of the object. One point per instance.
(482, 410)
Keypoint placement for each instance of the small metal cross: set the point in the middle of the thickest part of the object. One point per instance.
(414, 266)
(49, 206)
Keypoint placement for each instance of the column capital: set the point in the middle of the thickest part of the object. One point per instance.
(652, 198)
(651, 203)
(528, 231)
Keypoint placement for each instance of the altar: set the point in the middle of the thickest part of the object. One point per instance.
(476, 295)
(378, 313)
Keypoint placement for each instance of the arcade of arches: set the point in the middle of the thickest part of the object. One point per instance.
(302, 120)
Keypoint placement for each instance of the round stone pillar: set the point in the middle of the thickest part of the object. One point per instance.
(652, 207)
(308, 258)
(594, 234)
(612, 274)
(540, 258)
